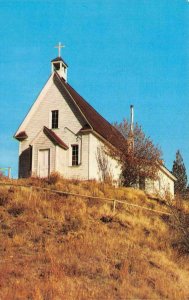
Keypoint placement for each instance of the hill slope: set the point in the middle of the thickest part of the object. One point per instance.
(65, 247)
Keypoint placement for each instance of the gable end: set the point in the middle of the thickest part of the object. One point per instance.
(95, 121)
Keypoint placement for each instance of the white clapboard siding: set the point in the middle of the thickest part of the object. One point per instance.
(163, 186)
(70, 122)
(94, 171)
(42, 143)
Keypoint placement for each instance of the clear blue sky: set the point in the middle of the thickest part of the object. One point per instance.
(119, 53)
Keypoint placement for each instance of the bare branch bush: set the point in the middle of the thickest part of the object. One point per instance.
(103, 164)
(139, 161)
(180, 221)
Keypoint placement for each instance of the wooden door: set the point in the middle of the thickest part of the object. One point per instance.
(44, 163)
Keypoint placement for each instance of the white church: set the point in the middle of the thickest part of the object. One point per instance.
(62, 133)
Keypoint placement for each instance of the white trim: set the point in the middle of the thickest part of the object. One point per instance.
(50, 118)
(101, 138)
(79, 154)
(70, 155)
(73, 100)
(32, 165)
(55, 159)
(49, 160)
(36, 136)
(167, 172)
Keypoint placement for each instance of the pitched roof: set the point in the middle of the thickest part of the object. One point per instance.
(54, 138)
(59, 58)
(95, 121)
(22, 135)
(86, 127)
(167, 171)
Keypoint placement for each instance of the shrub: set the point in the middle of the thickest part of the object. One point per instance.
(3, 200)
(73, 223)
(106, 219)
(54, 178)
(180, 221)
(4, 197)
(16, 209)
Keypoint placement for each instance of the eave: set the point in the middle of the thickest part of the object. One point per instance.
(55, 139)
(21, 136)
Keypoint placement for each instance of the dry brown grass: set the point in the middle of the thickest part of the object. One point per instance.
(59, 247)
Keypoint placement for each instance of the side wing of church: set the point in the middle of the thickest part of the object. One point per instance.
(163, 186)
(62, 133)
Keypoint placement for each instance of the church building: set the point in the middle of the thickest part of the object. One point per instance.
(63, 133)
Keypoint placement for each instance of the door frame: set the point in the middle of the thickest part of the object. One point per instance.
(38, 171)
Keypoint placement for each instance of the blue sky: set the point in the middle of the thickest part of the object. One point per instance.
(119, 53)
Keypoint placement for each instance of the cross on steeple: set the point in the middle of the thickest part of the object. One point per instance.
(59, 46)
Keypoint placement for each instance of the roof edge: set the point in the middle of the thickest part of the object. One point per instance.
(60, 80)
(34, 105)
(59, 58)
(167, 172)
(21, 136)
(54, 138)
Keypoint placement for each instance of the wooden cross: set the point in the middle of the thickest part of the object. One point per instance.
(59, 46)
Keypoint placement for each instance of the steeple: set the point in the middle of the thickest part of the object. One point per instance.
(58, 64)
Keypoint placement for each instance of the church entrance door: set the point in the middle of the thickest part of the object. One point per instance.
(43, 163)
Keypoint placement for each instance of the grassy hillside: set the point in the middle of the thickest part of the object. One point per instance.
(65, 247)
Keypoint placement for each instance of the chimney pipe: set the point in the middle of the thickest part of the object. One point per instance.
(132, 118)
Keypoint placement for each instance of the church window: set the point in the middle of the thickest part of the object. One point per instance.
(54, 118)
(75, 155)
(56, 66)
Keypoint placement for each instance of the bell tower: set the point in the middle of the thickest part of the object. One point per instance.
(58, 64)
